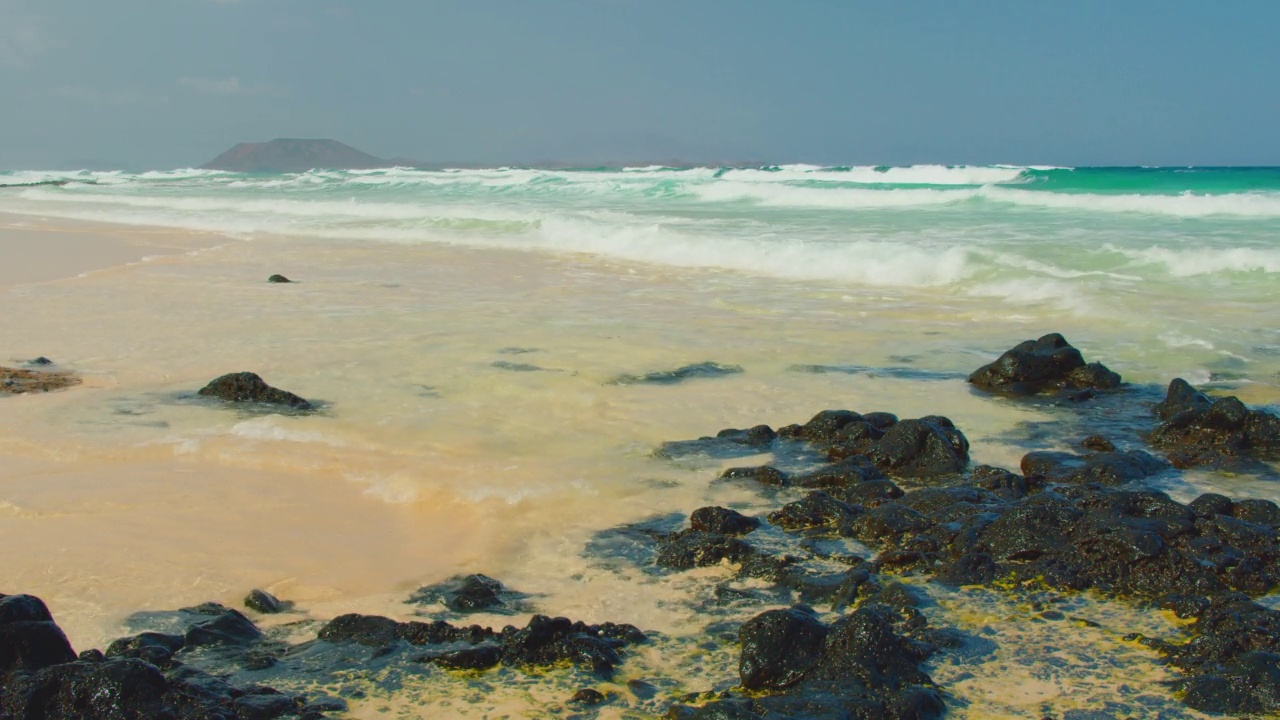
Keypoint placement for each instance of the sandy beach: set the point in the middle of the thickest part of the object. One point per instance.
(40, 249)
(471, 421)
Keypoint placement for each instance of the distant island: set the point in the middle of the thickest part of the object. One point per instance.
(295, 155)
(287, 155)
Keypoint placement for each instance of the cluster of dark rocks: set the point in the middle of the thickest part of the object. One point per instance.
(1068, 520)
(137, 677)
(158, 675)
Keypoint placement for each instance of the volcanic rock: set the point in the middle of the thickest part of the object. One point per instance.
(247, 387)
(1047, 365)
(1199, 431)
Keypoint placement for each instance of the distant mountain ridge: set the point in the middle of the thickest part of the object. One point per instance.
(292, 155)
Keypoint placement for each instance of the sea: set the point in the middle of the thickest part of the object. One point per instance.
(474, 339)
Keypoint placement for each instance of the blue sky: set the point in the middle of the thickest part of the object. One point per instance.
(165, 83)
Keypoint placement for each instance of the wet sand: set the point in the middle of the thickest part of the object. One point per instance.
(38, 249)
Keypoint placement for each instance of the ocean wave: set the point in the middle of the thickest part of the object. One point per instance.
(1207, 261)
(831, 198)
(1022, 292)
(885, 264)
(214, 208)
(880, 175)
(1185, 205)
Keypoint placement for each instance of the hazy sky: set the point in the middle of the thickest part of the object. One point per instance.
(164, 83)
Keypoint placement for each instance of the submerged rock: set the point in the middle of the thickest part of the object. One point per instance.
(469, 594)
(16, 381)
(764, 474)
(278, 279)
(680, 374)
(1198, 431)
(588, 696)
(1106, 468)
(1046, 365)
(543, 642)
(249, 387)
(265, 603)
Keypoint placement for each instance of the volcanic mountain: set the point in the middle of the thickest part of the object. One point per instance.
(294, 155)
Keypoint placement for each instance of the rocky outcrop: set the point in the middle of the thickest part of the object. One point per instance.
(1046, 365)
(1068, 521)
(877, 444)
(1198, 431)
(543, 642)
(247, 387)
(138, 678)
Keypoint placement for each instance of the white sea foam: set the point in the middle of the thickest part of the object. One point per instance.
(1204, 261)
(270, 428)
(1186, 205)
(863, 262)
(1035, 291)
(909, 175)
(770, 195)
(1177, 340)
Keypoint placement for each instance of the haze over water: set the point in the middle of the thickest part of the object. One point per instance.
(463, 329)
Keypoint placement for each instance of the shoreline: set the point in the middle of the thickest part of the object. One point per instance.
(39, 249)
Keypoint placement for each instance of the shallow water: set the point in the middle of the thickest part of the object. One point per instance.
(471, 420)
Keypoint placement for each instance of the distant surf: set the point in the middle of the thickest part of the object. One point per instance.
(1016, 232)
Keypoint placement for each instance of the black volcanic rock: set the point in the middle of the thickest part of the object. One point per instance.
(40, 676)
(1200, 431)
(1048, 364)
(778, 646)
(469, 594)
(265, 603)
(249, 387)
(722, 520)
(289, 155)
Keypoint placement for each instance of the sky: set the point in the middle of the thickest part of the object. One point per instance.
(172, 83)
